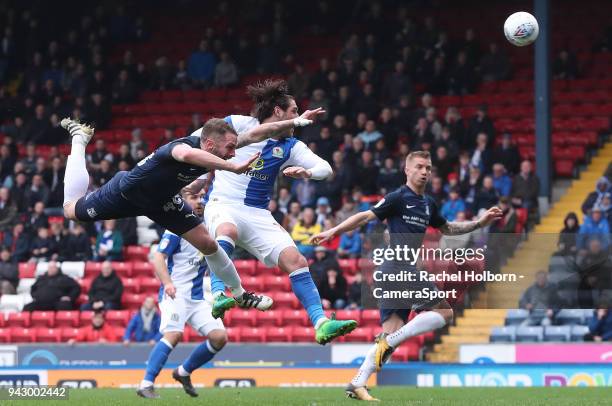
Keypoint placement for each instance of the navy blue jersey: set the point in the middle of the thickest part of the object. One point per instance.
(159, 177)
(408, 213)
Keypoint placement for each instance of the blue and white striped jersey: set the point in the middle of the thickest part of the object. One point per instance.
(186, 266)
(254, 188)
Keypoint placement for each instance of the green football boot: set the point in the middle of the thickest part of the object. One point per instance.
(333, 328)
(221, 304)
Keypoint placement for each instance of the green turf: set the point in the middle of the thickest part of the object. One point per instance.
(390, 395)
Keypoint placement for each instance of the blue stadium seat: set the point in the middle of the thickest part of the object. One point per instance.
(503, 334)
(514, 317)
(557, 264)
(528, 334)
(557, 333)
(578, 332)
(570, 316)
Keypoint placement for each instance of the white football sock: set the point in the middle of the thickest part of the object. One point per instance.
(145, 384)
(224, 268)
(182, 372)
(422, 323)
(76, 179)
(366, 369)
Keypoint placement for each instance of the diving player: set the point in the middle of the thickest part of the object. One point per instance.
(180, 268)
(151, 188)
(408, 212)
(237, 204)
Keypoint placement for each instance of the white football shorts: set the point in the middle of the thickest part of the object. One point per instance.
(178, 311)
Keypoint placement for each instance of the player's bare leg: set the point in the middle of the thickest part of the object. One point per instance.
(76, 179)
(295, 265)
(223, 267)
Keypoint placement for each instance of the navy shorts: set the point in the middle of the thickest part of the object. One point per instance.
(109, 203)
(403, 307)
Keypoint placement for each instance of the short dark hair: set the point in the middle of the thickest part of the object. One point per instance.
(267, 95)
(216, 127)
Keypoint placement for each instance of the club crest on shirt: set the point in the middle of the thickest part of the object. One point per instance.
(426, 209)
(92, 212)
(278, 152)
(164, 244)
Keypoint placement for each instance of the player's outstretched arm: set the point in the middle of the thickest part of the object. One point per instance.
(278, 128)
(161, 271)
(463, 227)
(198, 157)
(305, 164)
(351, 223)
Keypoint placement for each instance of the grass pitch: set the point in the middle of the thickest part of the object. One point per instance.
(390, 395)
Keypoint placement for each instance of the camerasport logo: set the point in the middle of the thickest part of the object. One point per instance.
(235, 383)
(78, 383)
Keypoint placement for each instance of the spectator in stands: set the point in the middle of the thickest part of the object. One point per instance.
(201, 65)
(526, 188)
(480, 123)
(78, 245)
(106, 290)
(487, 196)
(601, 188)
(481, 155)
(8, 210)
(298, 82)
(37, 192)
(98, 111)
(293, 215)
(350, 245)
(437, 191)
(277, 214)
(389, 177)
(43, 246)
(507, 154)
(443, 162)
(162, 74)
(137, 144)
(600, 325)
(124, 89)
(449, 142)
(38, 218)
(97, 332)
(144, 325)
(59, 239)
(53, 291)
(109, 243)
(540, 299)
(226, 72)
(305, 191)
(421, 135)
(347, 210)
(100, 152)
(494, 65)
(595, 226)
(128, 227)
(333, 243)
(323, 210)
(19, 190)
(565, 66)
(397, 84)
(53, 178)
(196, 123)
(461, 78)
(367, 173)
(501, 181)
(9, 273)
(333, 290)
(595, 267)
(181, 77)
(323, 260)
(303, 230)
(453, 205)
(354, 293)
(567, 238)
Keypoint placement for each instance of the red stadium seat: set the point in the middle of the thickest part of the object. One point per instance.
(285, 300)
(279, 334)
(92, 269)
(123, 269)
(136, 253)
(133, 301)
(348, 265)
(246, 267)
(190, 334)
(27, 270)
(142, 268)
(67, 318)
(234, 334)
(23, 335)
(275, 283)
(359, 335)
(148, 284)
(408, 351)
(5, 335)
(349, 315)
(48, 335)
(303, 334)
(253, 335)
(85, 318)
(253, 283)
(85, 285)
(131, 285)
(242, 318)
(565, 168)
(295, 318)
(20, 319)
(68, 333)
(117, 318)
(370, 317)
(42, 319)
(265, 270)
(270, 318)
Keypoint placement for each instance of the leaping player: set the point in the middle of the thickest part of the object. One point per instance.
(237, 203)
(408, 211)
(151, 188)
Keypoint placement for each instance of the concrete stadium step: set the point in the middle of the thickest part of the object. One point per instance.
(469, 330)
(477, 339)
(473, 322)
(484, 313)
(443, 357)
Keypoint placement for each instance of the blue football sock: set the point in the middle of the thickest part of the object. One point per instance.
(216, 285)
(199, 356)
(157, 359)
(305, 289)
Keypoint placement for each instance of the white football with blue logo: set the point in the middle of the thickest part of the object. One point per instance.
(521, 29)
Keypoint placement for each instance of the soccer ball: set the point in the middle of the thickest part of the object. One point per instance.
(521, 29)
